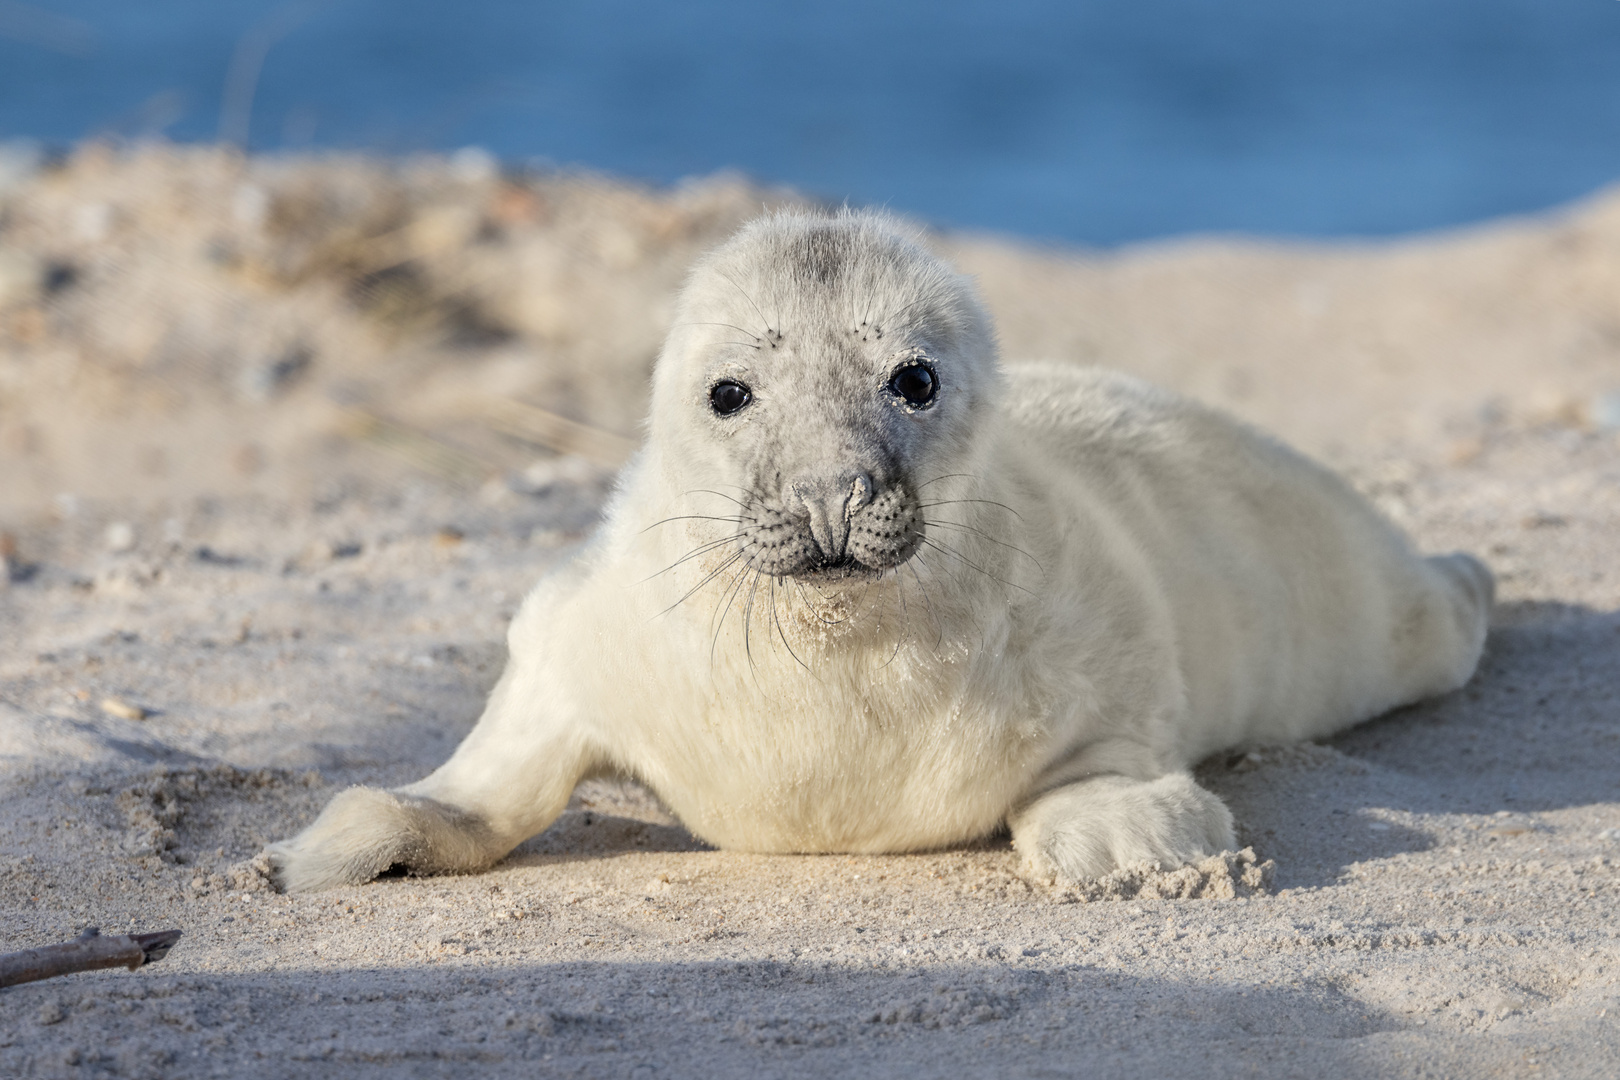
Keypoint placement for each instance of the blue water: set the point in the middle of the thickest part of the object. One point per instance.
(1096, 121)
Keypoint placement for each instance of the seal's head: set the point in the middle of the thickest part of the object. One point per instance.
(822, 370)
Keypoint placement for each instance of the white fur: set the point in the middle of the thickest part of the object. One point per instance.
(1115, 584)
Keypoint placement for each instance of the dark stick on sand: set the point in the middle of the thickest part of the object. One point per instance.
(87, 952)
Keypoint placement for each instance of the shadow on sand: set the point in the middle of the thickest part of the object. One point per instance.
(665, 1020)
(1537, 729)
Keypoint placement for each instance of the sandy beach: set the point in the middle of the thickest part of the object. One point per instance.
(284, 441)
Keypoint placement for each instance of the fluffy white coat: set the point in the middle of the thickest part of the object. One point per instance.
(1098, 583)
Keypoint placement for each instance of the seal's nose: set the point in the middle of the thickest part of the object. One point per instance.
(831, 500)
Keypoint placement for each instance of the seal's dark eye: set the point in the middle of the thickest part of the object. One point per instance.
(727, 396)
(915, 383)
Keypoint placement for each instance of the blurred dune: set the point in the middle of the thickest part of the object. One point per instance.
(176, 321)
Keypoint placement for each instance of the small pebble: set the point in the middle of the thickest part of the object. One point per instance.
(122, 709)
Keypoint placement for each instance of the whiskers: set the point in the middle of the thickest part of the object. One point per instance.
(808, 624)
(993, 524)
(958, 526)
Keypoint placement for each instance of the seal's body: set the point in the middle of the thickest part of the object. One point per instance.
(866, 590)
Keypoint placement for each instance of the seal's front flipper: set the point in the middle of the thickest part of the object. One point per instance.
(364, 831)
(1085, 829)
(508, 780)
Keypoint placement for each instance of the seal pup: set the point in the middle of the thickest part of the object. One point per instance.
(864, 590)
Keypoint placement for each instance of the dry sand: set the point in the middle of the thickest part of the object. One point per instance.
(263, 501)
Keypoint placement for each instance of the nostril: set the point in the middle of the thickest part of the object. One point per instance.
(860, 495)
(829, 501)
(801, 497)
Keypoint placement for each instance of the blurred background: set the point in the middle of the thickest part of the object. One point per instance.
(276, 247)
(1087, 121)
